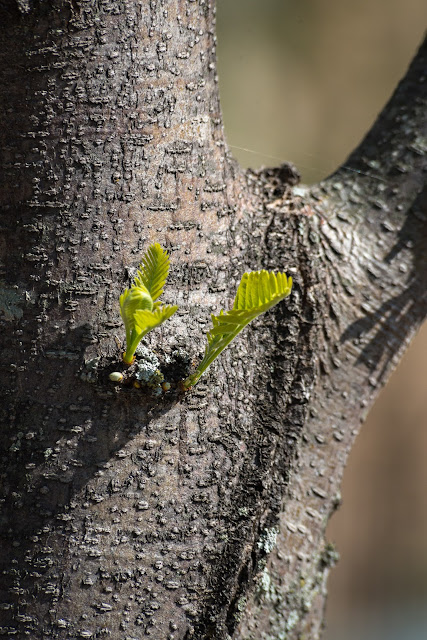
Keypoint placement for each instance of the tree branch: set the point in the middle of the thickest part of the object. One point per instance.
(370, 231)
(394, 150)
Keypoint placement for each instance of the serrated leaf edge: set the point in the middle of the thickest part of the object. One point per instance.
(148, 283)
(258, 291)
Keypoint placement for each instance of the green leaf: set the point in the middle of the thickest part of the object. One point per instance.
(139, 306)
(258, 291)
(131, 301)
(153, 270)
(145, 321)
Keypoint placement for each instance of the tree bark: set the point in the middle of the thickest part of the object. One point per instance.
(200, 515)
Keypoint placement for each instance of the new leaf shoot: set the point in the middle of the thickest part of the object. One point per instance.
(139, 306)
(258, 291)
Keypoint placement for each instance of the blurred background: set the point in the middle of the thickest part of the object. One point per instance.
(302, 81)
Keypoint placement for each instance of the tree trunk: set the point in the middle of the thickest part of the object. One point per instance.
(201, 515)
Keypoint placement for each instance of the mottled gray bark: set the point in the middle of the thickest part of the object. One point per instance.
(202, 515)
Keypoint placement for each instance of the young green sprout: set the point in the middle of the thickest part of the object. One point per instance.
(258, 291)
(139, 306)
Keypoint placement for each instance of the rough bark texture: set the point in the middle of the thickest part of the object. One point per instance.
(203, 515)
